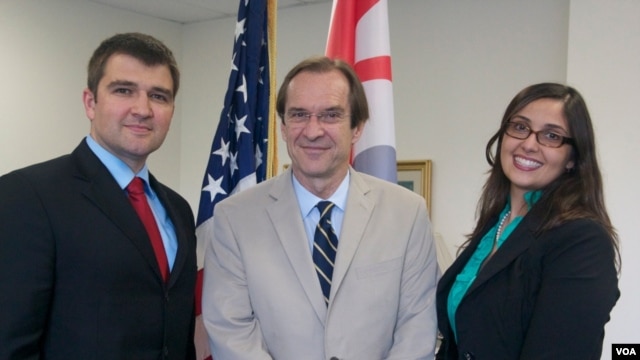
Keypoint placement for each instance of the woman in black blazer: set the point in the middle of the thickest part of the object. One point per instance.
(537, 278)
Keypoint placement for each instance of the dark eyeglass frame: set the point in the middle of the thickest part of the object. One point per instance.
(508, 126)
(327, 117)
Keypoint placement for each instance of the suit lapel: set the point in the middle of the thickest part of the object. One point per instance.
(103, 191)
(179, 227)
(517, 243)
(357, 214)
(292, 236)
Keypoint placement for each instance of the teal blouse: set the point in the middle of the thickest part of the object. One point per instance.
(468, 274)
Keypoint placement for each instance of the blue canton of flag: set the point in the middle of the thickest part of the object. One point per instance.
(238, 152)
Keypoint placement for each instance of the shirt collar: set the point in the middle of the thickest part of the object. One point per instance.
(120, 171)
(532, 197)
(308, 201)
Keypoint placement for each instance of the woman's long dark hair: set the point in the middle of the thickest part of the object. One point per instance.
(576, 194)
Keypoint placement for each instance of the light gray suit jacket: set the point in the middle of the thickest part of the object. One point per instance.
(262, 298)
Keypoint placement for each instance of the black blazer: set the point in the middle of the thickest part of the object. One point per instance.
(78, 276)
(541, 296)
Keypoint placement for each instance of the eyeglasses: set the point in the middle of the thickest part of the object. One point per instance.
(522, 131)
(325, 117)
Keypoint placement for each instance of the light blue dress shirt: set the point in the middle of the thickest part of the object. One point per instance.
(311, 215)
(123, 175)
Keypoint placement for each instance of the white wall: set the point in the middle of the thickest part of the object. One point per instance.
(604, 48)
(45, 46)
(456, 65)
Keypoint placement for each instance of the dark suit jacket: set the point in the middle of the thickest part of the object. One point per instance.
(78, 276)
(541, 296)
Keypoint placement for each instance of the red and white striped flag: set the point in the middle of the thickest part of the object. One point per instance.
(359, 35)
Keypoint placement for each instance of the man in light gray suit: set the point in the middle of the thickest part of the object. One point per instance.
(272, 287)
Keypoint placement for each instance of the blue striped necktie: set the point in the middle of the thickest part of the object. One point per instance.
(325, 244)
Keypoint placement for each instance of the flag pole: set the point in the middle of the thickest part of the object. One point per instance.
(272, 142)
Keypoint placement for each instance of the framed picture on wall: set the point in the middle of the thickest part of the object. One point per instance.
(415, 175)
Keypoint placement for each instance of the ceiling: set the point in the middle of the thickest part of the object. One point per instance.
(190, 11)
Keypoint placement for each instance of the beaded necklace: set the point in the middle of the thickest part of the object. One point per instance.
(501, 225)
(499, 232)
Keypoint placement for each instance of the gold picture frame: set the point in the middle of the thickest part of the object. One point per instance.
(415, 175)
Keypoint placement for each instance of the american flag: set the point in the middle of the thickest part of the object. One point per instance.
(238, 157)
(359, 35)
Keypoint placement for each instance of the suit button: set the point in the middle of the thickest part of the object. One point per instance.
(165, 352)
(469, 356)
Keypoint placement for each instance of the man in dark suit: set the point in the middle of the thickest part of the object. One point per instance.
(79, 276)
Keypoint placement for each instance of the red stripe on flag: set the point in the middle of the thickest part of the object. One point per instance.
(342, 35)
(363, 6)
(374, 68)
(342, 30)
(199, 292)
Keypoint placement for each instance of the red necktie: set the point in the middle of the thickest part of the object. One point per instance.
(139, 201)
